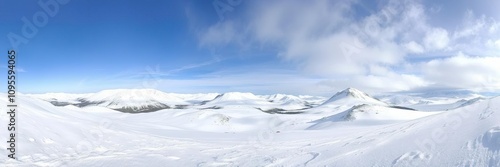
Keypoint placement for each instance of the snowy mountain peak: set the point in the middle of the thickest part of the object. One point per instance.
(351, 95)
(354, 93)
(283, 97)
(351, 92)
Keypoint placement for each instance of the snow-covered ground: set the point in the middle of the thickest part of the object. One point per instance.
(242, 129)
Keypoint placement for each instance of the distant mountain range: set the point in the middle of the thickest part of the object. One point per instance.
(150, 100)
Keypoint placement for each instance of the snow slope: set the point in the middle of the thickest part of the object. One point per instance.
(95, 135)
(368, 112)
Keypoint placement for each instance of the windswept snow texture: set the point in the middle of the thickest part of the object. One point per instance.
(349, 129)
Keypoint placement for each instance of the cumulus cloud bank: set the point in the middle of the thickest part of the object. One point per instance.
(389, 46)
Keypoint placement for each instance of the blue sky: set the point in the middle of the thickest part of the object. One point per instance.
(297, 47)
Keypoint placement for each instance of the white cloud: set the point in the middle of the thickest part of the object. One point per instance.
(471, 27)
(494, 27)
(328, 39)
(283, 21)
(476, 35)
(341, 54)
(377, 83)
(321, 36)
(414, 47)
(436, 38)
(461, 71)
(495, 44)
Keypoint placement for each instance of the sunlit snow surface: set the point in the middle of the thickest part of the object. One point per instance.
(349, 129)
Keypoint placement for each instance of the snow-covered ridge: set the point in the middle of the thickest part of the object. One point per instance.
(125, 100)
(235, 96)
(432, 103)
(352, 96)
(133, 100)
(148, 100)
(285, 99)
